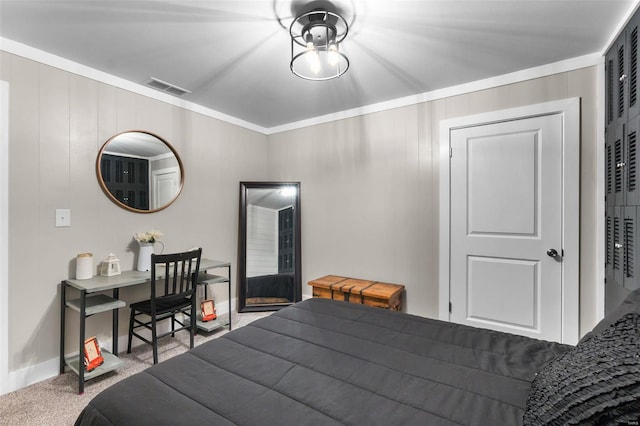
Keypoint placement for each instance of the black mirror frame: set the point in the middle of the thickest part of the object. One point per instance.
(242, 247)
(108, 193)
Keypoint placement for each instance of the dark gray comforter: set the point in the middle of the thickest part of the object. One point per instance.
(323, 362)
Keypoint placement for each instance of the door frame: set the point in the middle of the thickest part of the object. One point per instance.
(4, 238)
(570, 111)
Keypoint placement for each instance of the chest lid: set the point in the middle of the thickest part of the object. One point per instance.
(357, 286)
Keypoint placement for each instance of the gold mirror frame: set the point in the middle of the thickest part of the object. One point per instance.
(145, 135)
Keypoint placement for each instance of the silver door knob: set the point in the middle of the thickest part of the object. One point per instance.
(552, 253)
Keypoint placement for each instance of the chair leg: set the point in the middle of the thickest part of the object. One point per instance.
(154, 339)
(192, 329)
(130, 331)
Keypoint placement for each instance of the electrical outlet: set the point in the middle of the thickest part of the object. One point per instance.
(63, 217)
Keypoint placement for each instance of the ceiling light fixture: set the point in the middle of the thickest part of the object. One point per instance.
(315, 45)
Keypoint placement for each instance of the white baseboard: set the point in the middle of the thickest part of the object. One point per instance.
(45, 370)
(32, 374)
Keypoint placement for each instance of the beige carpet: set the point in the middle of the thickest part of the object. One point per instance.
(56, 401)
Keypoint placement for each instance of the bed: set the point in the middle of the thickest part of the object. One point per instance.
(324, 362)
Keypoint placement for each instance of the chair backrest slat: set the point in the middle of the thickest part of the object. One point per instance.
(180, 272)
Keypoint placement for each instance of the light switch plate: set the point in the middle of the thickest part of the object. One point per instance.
(63, 217)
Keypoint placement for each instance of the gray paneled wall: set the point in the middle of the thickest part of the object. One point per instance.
(58, 122)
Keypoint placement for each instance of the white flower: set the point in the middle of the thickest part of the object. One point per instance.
(148, 237)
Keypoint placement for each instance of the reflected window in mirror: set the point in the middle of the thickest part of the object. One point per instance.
(139, 171)
(269, 242)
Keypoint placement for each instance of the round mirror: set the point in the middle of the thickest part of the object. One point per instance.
(139, 171)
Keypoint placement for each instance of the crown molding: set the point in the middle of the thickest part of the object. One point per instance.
(623, 23)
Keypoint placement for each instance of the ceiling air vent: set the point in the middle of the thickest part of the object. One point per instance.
(166, 87)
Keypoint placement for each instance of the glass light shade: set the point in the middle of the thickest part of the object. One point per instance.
(319, 65)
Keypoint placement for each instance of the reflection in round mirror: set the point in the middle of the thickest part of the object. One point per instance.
(139, 171)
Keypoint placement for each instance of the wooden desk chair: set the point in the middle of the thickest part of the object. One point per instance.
(173, 293)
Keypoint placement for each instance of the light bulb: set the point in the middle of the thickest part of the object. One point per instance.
(313, 59)
(332, 55)
(308, 38)
(288, 191)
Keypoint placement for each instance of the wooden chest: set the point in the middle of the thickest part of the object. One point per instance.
(372, 293)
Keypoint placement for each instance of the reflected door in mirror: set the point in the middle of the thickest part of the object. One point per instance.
(166, 183)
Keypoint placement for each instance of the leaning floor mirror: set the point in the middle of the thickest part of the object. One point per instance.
(269, 246)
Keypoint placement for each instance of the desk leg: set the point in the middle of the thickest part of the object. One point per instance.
(114, 334)
(63, 286)
(229, 286)
(83, 308)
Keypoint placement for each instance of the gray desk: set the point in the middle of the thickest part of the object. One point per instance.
(92, 301)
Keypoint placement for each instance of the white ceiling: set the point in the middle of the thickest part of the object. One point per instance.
(270, 198)
(233, 55)
(138, 144)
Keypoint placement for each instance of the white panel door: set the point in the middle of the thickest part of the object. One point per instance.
(166, 183)
(506, 214)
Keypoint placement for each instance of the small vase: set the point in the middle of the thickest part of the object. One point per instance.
(144, 256)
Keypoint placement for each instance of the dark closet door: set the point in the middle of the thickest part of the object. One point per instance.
(630, 69)
(613, 257)
(630, 248)
(127, 179)
(616, 76)
(630, 169)
(615, 165)
(621, 213)
(286, 259)
(622, 130)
